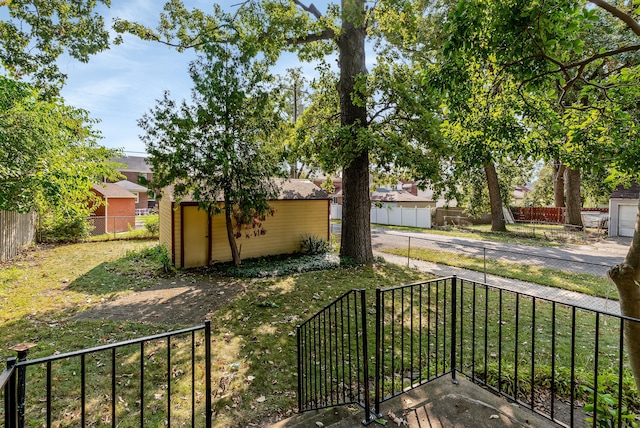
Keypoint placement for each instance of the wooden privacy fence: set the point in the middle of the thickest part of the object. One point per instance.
(16, 231)
(546, 214)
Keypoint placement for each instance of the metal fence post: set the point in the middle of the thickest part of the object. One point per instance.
(378, 369)
(300, 374)
(207, 365)
(10, 397)
(365, 361)
(454, 327)
(484, 252)
(23, 351)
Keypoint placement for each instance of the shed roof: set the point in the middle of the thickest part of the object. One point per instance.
(290, 189)
(632, 192)
(131, 186)
(301, 189)
(383, 195)
(112, 190)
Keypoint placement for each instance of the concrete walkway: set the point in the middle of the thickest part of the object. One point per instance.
(609, 306)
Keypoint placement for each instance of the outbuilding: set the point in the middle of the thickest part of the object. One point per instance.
(623, 210)
(117, 212)
(195, 239)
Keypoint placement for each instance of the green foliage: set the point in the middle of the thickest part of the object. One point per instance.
(262, 268)
(34, 34)
(311, 245)
(213, 149)
(49, 159)
(152, 224)
(57, 227)
(157, 256)
(605, 406)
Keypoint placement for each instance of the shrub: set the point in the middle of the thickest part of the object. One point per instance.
(292, 265)
(58, 228)
(152, 224)
(158, 255)
(314, 245)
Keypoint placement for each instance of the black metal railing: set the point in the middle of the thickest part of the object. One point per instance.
(156, 380)
(333, 360)
(566, 363)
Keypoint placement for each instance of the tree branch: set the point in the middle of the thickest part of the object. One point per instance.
(326, 34)
(311, 9)
(617, 13)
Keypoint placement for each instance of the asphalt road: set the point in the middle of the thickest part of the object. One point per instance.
(594, 258)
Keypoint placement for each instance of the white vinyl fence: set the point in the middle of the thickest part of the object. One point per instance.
(394, 216)
(16, 231)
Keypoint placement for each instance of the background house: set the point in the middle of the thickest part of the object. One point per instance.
(140, 192)
(138, 171)
(195, 239)
(117, 213)
(400, 198)
(623, 208)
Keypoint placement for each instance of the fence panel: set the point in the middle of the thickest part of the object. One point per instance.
(552, 358)
(16, 231)
(333, 367)
(151, 381)
(400, 216)
(564, 362)
(414, 341)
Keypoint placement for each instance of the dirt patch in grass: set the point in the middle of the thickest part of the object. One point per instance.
(187, 300)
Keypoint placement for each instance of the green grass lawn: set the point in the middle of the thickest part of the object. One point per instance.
(254, 353)
(583, 283)
(253, 335)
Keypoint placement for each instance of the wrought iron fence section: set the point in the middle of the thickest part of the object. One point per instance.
(9, 391)
(550, 357)
(414, 337)
(561, 361)
(149, 381)
(333, 366)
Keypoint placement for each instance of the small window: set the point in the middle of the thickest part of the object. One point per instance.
(137, 196)
(335, 199)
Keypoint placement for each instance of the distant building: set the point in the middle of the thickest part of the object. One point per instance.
(138, 171)
(117, 211)
(400, 198)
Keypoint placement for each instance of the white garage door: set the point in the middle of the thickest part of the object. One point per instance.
(627, 219)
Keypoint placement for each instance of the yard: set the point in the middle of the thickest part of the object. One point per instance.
(65, 298)
(71, 297)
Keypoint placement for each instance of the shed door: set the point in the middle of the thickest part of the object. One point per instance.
(627, 219)
(195, 232)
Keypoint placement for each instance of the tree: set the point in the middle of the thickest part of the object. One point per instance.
(484, 124)
(272, 26)
(213, 148)
(49, 159)
(37, 33)
(589, 58)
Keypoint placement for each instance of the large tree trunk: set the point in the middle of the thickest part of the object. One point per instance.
(356, 226)
(231, 237)
(558, 184)
(495, 199)
(574, 206)
(626, 276)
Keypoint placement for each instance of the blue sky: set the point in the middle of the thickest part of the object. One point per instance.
(119, 85)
